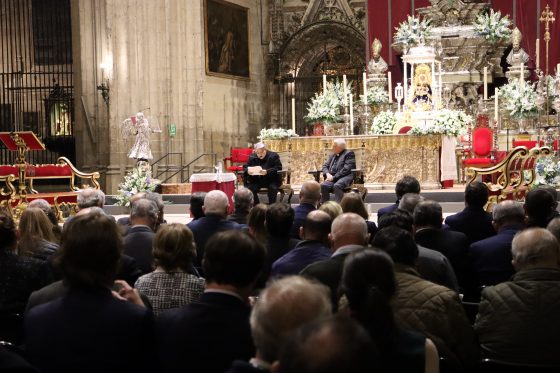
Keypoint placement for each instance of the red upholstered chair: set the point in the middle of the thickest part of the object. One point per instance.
(404, 130)
(530, 144)
(236, 160)
(481, 145)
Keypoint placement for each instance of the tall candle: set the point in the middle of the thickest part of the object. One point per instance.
(496, 103)
(390, 86)
(364, 99)
(324, 84)
(351, 114)
(537, 54)
(522, 74)
(558, 69)
(485, 83)
(344, 90)
(294, 114)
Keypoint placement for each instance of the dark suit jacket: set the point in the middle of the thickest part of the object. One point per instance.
(206, 335)
(304, 254)
(271, 163)
(386, 210)
(340, 165)
(300, 214)
(206, 227)
(90, 331)
(138, 245)
(476, 224)
(454, 245)
(490, 259)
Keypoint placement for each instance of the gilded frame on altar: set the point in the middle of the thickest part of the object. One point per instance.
(226, 36)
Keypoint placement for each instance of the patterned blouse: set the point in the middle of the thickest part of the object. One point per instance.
(167, 290)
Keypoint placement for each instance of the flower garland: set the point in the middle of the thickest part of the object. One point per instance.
(412, 32)
(376, 95)
(325, 107)
(547, 171)
(276, 134)
(446, 122)
(520, 99)
(492, 26)
(384, 123)
(138, 180)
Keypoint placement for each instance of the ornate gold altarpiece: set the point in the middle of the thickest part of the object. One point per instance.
(384, 159)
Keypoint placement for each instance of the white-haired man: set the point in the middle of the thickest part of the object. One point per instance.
(337, 171)
(261, 171)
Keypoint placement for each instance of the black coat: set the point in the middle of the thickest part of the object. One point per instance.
(138, 244)
(271, 163)
(205, 336)
(340, 165)
(476, 224)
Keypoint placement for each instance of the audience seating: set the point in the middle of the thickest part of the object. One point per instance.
(285, 188)
(236, 160)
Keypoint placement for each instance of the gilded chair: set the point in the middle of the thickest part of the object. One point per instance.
(285, 188)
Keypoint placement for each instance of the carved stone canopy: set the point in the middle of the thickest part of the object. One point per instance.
(455, 12)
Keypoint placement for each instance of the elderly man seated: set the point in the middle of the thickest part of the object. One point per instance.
(337, 171)
(261, 171)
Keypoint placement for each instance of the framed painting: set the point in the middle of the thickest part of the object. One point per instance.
(226, 27)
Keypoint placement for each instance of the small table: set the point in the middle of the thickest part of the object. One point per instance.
(207, 182)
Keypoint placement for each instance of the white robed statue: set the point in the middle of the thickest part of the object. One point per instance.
(141, 127)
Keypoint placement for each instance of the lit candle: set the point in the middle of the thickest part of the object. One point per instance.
(364, 99)
(522, 74)
(324, 84)
(558, 69)
(537, 54)
(496, 94)
(485, 83)
(294, 114)
(351, 114)
(345, 93)
(390, 85)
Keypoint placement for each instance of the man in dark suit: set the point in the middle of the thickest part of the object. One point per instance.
(408, 184)
(309, 197)
(215, 208)
(428, 217)
(337, 171)
(209, 334)
(491, 258)
(242, 204)
(348, 233)
(473, 221)
(267, 177)
(138, 241)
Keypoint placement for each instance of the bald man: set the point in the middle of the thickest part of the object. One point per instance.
(268, 177)
(309, 197)
(337, 171)
(519, 320)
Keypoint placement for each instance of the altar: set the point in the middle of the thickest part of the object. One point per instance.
(384, 159)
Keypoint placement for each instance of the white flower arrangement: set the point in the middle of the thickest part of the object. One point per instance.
(492, 26)
(326, 107)
(376, 95)
(412, 32)
(446, 122)
(138, 180)
(520, 99)
(384, 123)
(276, 134)
(547, 170)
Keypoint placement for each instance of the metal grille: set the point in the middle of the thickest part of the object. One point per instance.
(36, 85)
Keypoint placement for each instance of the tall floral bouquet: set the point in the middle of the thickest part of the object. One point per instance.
(446, 122)
(547, 171)
(276, 134)
(492, 26)
(138, 180)
(520, 99)
(412, 32)
(376, 95)
(383, 123)
(325, 107)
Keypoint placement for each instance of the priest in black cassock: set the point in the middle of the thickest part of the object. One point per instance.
(267, 176)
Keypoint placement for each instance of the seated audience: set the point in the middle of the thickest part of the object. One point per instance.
(314, 247)
(519, 320)
(423, 306)
(332, 208)
(473, 221)
(256, 223)
(539, 208)
(554, 228)
(431, 265)
(36, 236)
(19, 275)
(454, 245)
(348, 233)
(490, 259)
(408, 184)
(552, 190)
(124, 222)
(408, 202)
(209, 334)
(158, 200)
(268, 177)
(195, 205)
(283, 307)
(368, 283)
(337, 171)
(215, 208)
(171, 285)
(91, 329)
(139, 240)
(352, 202)
(333, 345)
(309, 197)
(49, 211)
(90, 197)
(242, 203)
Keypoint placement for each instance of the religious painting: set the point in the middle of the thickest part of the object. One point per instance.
(227, 39)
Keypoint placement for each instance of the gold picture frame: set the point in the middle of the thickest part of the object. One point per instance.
(226, 36)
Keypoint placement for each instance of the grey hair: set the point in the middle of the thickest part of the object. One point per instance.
(409, 201)
(243, 199)
(534, 245)
(508, 210)
(91, 197)
(340, 142)
(144, 208)
(215, 202)
(157, 198)
(283, 307)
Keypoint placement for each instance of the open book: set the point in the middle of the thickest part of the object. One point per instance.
(256, 170)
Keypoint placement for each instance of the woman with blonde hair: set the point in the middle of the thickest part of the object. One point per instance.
(332, 208)
(171, 285)
(36, 236)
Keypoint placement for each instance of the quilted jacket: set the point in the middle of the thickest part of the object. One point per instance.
(519, 320)
(436, 312)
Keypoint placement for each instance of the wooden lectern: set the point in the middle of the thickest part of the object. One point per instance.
(21, 142)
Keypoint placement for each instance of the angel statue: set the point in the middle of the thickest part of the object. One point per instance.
(142, 128)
